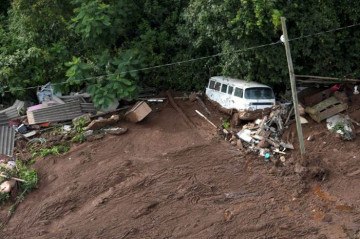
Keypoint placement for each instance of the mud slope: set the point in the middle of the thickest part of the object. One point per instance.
(165, 180)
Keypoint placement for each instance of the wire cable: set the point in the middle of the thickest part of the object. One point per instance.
(195, 59)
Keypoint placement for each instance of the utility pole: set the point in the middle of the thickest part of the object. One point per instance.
(293, 87)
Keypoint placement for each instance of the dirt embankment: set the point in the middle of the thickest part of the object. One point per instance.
(165, 180)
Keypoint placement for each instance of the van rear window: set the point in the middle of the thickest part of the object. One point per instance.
(224, 88)
(238, 92)
(259, 93)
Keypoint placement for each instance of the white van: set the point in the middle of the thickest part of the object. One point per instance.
(239, 94)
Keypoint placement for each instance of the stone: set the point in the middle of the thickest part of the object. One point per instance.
(94, 137)
(299, 169)
(327, 218)
(85, 118)
(193, 96)
(239, 144)
(263, 144)
(301, 110)
(88, 133)
(273, 170)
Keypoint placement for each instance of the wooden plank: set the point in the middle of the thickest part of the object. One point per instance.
(326, 109)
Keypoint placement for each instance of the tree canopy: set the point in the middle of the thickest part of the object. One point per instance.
(100, 45)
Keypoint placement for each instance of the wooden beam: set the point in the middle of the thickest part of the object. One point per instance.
(325, 79)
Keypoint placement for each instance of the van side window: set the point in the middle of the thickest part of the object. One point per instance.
(230, 90)
(224, 88)
(238, 92)
(212, 84)
(217, 86)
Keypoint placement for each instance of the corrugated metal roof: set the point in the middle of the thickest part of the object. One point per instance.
(12, 112)
(7, 141)
(55, 113)
(88, 108)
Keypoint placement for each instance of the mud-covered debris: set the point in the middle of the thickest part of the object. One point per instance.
(116, 131)
(101, 123)
(342, 126)
(6, 186)
(310, 138)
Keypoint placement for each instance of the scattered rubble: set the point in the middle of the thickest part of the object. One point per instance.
(263, 135)
(58, 119)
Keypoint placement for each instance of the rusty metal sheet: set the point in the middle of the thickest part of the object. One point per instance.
(7, 141)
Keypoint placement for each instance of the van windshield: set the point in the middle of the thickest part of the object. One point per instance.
(259, 93)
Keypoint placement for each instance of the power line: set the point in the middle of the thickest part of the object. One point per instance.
(196, 59)
(324, 32)
(154, 67)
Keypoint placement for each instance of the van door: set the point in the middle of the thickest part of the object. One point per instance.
(238, 98)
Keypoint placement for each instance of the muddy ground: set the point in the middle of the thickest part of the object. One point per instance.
(164, 179)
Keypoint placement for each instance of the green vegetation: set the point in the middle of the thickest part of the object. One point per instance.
(99, 45)
(79, 124)
(78, 138)
(226, 124)
(27, 174)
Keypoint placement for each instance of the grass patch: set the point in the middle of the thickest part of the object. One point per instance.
(54, 150)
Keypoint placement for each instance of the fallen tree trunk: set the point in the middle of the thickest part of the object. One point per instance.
(179, 110)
